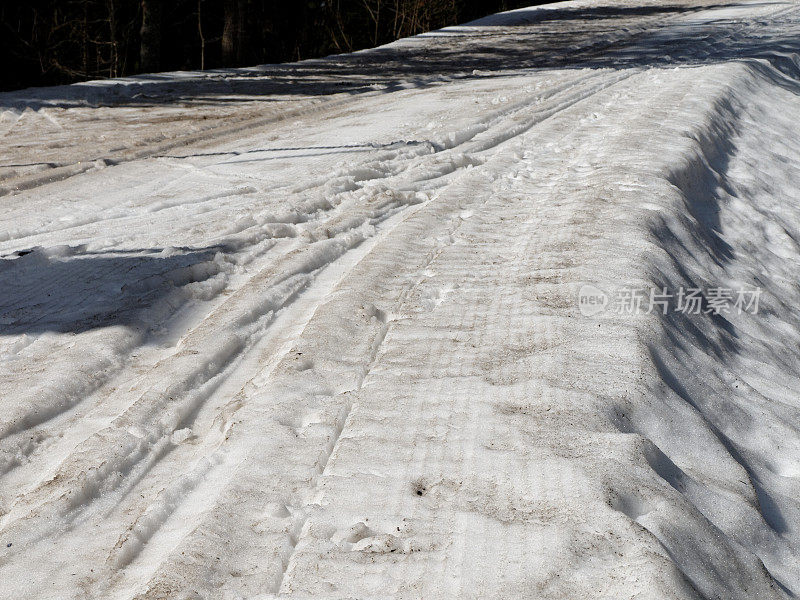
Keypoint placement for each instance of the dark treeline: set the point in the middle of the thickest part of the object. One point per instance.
(49, 42)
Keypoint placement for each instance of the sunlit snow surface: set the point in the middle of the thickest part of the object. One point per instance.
(314, 330)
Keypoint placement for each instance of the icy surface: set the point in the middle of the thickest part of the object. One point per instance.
(313, 330)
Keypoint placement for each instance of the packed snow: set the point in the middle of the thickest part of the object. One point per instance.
(318, 330)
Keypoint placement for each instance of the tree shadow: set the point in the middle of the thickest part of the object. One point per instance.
(768, 507)
(280, 153)
(69, 290)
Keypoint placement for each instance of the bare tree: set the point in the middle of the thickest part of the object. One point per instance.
(150, 49)
(373, 8)
(230, 31)
(244, 31)
(201, 35)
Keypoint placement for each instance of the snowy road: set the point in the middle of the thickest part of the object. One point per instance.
(313, 330)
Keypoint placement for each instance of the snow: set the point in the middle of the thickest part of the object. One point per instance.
(314, 330)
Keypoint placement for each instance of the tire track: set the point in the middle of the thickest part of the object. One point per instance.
(354, 219)
(330, 441)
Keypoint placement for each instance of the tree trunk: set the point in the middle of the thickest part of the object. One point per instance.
(230, 32)
(150, 50)
(201, 35)
(244, 43)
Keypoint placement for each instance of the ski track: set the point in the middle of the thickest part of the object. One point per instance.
(334, 350)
